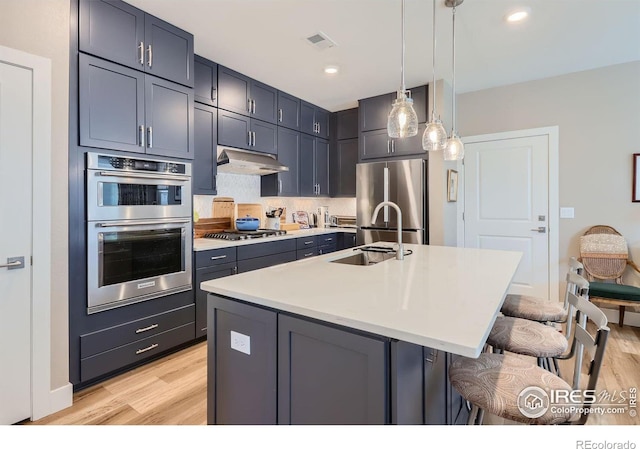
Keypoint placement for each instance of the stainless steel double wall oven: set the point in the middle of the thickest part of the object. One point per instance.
(139, 229)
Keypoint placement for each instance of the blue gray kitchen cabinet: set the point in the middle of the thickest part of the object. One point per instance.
(261, 255)
(314, 166)
(240, 131)
(205, 137)
(123, 109)
(243, 95)
(314, 120)
(210, 264)
(378, 144)
(374, 111)
(347, 124)
(284, 183)
(343, 158)
(288, 111)
(242, 363)
(119, 32)
(330, 376)
(205, 83)
(346, 240)
(327, 243)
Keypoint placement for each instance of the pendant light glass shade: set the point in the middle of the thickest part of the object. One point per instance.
(403, 120)
(435, 136)
(454, 150)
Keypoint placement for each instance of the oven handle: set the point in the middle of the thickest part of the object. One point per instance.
(144, 176)
(138, 223)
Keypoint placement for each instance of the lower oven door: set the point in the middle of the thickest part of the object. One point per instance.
(133, 261)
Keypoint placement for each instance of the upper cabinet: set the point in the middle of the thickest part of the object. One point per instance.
(205, 85)
(374, 111)
(124, 109)
(116, 31)
(240, 131)
(314, 120)
(240, 94)
(288, 111)
(347, 124)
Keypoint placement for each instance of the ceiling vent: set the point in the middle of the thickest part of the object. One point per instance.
(320, 41)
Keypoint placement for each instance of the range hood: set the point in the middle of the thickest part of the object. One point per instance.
(231, 160)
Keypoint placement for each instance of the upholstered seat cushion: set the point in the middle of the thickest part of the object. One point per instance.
(532, 308)
(526, 337)
(614, 291)
(494, 382)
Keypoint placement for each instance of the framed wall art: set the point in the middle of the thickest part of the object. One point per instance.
(452, 185)
(636, 178)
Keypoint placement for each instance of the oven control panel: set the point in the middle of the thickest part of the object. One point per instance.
(109, 162)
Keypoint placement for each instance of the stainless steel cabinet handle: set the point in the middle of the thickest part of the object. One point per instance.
(253, 107)
(434, 356)
(145, 329)
(309, 243)
(141, 48)
(249, 105)
(279, 115)
(249, 134)
(308, 254)
(388, 146)
(318, 189)
(150, 56)
(540, 229)
(318, 127)
(393, 146)
(279, 186)
(150, 137)
(13, 263)
(149, 348)
(224, 256)
(141, 135)
(328, 240)
(254, 138)
(213, 93)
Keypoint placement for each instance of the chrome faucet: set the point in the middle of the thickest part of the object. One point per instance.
(400, 252)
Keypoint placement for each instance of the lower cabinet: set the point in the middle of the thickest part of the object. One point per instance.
(346, 240)
(267, 367)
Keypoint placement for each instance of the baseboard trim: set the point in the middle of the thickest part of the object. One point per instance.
(59, 399)
(630, 318)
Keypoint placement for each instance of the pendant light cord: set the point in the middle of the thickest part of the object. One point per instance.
(453, 129)
(433, 109)
(402, 67)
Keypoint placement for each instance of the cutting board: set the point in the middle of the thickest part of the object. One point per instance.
(252, 210)
(223, 207)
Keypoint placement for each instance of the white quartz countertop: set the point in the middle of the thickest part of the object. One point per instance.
(205, 244)
(444, 298)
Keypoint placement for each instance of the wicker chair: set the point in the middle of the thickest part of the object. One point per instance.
(604, 255)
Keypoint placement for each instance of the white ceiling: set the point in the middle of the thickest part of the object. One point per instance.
(265, 39)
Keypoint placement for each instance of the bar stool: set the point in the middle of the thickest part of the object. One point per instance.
(538, 309)
(515, 389)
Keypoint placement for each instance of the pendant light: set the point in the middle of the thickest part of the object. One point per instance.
(454, 150)
(403, 121)
(435, 136)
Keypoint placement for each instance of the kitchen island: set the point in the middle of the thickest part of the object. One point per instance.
(321, 342)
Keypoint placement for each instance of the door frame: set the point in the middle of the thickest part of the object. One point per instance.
(44, 400)
(553, 137)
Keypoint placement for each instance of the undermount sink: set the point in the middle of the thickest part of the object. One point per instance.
(366, 258)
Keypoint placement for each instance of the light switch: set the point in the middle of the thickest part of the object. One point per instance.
(566, 212)
(241, 342)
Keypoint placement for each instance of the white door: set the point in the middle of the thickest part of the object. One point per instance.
(15, 241)
(506, 194)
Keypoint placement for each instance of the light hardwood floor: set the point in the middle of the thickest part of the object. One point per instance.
(173, 390)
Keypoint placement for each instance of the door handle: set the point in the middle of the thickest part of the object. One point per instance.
(141, 135)
(150, 137)
(249, 105)
(13, 263)
(540, 229)
(150, 57)
(280, 115)
(213, 94)
(141, 48)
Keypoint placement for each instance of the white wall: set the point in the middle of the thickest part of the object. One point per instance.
(42, 28)
(598, 115)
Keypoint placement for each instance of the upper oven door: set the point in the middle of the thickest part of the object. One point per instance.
(119, 195)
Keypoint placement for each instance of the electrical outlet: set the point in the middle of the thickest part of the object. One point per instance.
(567, 212)
(241, 342)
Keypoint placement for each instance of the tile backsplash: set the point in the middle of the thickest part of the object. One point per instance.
(246, 189)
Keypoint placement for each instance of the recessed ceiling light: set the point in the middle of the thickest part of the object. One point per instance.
(518, 15)
(331, 69)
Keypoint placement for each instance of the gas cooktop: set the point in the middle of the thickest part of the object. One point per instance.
(244, 235)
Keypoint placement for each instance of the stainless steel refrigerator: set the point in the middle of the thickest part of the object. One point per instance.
(402, 182)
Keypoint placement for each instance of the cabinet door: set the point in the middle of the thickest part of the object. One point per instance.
(329, 376)
(307, 118)
(169, 118)
(347, 124)
(343, 178)
(111, 106)
(202, 275)
(374, 144)
(241, 366)
(265, 102)
(322, 120)
(288, 111)
(233, 91)
(205, 83)
(233, 129)
(205, 139)
(321, 167)
(169, 51)
(307, 181)
(265, 137)
(435, 387)
(113, 30)
(374, 112)
(409, 145)
(289, 155)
